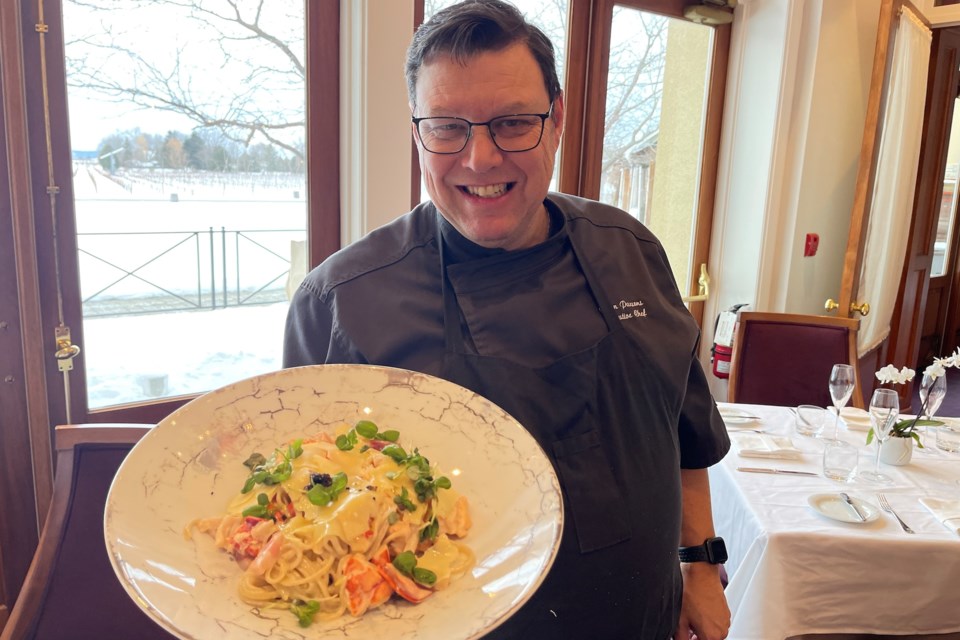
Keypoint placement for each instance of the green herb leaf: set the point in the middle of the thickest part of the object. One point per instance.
(443, 482)
(403, 500)
(295, 449)
(430, 531)
(256, 511)
(255, 460)
(322, 496)
(366, 429)
(305, 611)
(395, 452)
(405, 562)
(346, 441)
(389, 436)
(424, 576)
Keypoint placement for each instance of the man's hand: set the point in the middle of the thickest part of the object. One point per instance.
(704, 614)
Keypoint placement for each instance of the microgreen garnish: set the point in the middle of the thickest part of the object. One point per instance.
(430, 531)
(304, 611)
(259, 510)
(395, 452)
(321, 495)
(346, 441)
(365, 429)
(418, 470)
(272, 471)
(255, 460)
(406, 563)
(403, 500)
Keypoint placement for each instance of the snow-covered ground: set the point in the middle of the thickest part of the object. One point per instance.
(130, 358)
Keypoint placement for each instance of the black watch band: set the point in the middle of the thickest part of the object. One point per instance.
(713, 550)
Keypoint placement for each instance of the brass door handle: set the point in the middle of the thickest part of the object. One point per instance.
(703, 287)
(863, 308)
(831, 304)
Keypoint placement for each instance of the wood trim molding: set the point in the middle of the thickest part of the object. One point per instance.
(25, 254)
(323, 125)
(869, 153)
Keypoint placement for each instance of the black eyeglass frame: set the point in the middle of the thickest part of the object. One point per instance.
(470, 125)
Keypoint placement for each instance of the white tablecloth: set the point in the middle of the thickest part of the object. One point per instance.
(794, 571)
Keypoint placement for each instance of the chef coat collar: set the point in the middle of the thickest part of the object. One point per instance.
(458, 248)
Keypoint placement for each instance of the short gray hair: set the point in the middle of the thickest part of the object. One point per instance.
(476, 26)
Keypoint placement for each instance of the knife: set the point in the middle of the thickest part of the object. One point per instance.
(850, 502)
(768, 470)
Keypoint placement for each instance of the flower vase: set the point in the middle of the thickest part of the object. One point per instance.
(896, 451)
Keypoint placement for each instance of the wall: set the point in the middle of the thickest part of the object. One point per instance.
(375, 119)
(793, 121)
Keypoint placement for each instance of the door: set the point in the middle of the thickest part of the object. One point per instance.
(649, 97)
(881, 219)
(937, 234)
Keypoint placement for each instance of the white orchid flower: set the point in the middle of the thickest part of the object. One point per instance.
(935, 370)
(890, 375)
(953, 360)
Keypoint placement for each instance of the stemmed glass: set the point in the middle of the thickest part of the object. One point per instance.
(932, 392)
(884, 411)
(841, 388)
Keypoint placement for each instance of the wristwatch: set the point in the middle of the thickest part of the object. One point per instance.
(713, 550)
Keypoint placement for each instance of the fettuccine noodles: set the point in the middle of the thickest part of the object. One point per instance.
(330, 525)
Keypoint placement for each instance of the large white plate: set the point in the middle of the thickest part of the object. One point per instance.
(834, 507)
(191, 464)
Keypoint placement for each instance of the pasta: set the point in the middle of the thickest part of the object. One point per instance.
(331, 525)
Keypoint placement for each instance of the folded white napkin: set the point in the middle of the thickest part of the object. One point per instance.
(759, 445)
(946, 511)
(853, 419)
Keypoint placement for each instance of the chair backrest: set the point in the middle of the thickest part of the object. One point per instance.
(71, 591)
(785, 359)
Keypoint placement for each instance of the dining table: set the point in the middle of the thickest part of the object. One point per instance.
(796, 567)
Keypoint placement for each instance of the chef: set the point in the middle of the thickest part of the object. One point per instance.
(561, 310)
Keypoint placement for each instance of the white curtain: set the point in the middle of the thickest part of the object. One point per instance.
(896, 175)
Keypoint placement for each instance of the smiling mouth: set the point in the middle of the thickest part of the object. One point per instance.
(488, 190)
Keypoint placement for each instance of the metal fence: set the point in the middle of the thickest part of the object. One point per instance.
(128, 273)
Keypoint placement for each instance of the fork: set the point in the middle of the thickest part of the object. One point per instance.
(882, 499)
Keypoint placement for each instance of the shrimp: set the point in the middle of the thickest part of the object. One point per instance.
(456, 523)
(402, 585)
(365, 585)
(267, 556)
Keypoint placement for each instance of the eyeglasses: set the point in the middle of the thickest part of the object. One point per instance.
(512, 133)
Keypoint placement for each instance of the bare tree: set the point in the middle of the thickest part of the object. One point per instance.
(231, 65)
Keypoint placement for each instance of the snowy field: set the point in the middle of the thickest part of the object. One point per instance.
(127, 267)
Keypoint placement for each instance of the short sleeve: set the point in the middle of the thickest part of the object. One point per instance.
(703, 435)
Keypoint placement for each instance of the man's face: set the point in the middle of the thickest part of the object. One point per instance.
(492, 197)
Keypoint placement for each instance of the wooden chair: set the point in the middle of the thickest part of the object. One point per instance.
(785, 359)
(70, 591)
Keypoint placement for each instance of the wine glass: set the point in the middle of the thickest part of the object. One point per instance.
(841, 388)
(932, 392)
(884, 411)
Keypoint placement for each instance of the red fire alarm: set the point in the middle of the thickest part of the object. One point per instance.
(810, 246)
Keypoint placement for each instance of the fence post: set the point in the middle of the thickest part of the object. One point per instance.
(213, 276)
(223, 263)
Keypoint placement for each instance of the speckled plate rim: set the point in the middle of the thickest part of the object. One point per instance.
(547, 479)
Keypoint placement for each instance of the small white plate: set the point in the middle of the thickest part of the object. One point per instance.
(736, 416)
(834, 507)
